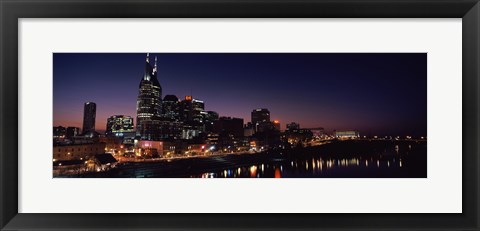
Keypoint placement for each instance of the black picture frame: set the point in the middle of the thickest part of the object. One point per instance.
(12, 10)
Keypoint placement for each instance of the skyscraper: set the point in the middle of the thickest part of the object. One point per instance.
(149, 101)
(191, 109)
(260, 115)
(260, 118)
(171, 108)
(89, 112)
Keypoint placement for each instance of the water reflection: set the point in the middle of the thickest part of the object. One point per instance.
(314, 167)
(395, 161)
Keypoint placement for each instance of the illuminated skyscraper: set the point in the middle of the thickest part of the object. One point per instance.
(192, 109)
(149, 101)
(89, 112)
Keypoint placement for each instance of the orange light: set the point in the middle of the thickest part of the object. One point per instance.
(188, 97)
(277, 173)
(276, 121)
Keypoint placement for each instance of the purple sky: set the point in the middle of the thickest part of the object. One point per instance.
(377, 94)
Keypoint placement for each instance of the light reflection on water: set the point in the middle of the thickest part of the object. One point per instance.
(314, 167)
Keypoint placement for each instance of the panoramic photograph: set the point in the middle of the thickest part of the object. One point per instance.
(239, 115)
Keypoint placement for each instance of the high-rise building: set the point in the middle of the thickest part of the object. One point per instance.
(149, 101)
(276, 125)
(171, 108)
(260, 115)
(209, 119)
(117, 125)
(198, 107)
(260, 118)
(191, 109)
(89, 113)
(229, 125)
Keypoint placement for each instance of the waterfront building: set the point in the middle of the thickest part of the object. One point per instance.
(89, 113)
(297, 136)
(149, 148)
(318, 132)
(212, 140)
(104, 162)
(149, 101)
(346, 134)
(77, 151)
(230, 133)
(119, 125)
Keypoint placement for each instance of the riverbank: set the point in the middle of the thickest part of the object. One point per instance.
(411, 154)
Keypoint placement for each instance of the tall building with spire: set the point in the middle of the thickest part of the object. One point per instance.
(149, 102)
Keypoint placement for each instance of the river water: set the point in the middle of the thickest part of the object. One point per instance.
(387, 160)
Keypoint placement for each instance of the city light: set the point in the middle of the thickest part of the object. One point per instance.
(179, 136)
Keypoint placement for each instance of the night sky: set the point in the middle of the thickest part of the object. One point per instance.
(376, 94)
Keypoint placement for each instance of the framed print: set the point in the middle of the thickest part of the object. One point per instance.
(302, 115)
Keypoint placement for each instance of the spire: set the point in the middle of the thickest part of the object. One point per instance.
(148, 68)
(155, 67)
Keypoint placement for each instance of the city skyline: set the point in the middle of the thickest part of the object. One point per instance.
(372, 93)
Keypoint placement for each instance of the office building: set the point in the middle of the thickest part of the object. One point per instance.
(118, 125)
(171, 108)
(89, 113)
(229, 125)
(149, 101)
(260, 115)
(276, 125)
